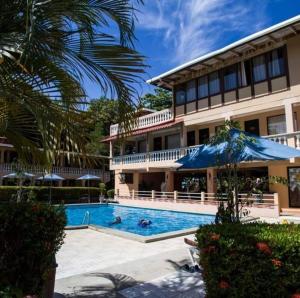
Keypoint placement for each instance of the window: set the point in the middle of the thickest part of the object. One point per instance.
(173, 141)
(276, 125)
(191, 140)
(252, 126)
(126, 178)
(214, 83)
(191, 91)
(157, 144)
(218, 128)
(203, 87)
(142, 146)
(244, 73)
(180, 95)
(230, 77)
(276, 63)
(259, 69)
(203, 135)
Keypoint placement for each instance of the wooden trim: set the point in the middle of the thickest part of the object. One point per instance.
(267, 60)
(251, 79)
(221, 82)
(197, 93)
(238, 70)
(286, 66)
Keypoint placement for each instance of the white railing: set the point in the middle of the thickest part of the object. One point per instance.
(6, 168)
(145, 121)
(154, 156)
(285, 139)
(291, 139)
(263, 200)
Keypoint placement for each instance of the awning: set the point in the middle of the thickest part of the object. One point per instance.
(142, 131)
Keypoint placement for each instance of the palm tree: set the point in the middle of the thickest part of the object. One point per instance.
(48, 48)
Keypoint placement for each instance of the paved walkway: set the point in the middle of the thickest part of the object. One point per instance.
(93, 264)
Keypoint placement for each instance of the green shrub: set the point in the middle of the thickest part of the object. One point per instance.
(41, 193)
(30, 235)
(250, 260)
(111, 193)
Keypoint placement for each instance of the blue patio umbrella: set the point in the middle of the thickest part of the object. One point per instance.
(254, 149)
(89, 177)
(18, 175)
(51, 178)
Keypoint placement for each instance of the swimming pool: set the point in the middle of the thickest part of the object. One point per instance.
(163, 221)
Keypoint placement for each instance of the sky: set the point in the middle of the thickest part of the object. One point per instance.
(172, 32)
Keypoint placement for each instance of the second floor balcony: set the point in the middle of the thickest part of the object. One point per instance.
(167, 158)
(145, 121)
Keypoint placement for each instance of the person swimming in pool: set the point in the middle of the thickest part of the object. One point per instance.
(118, 220)
(144, 223)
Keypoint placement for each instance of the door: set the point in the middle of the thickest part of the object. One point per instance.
(252, 126)
(173, 141)
(203, 135)
(294, 187)
(157, 144)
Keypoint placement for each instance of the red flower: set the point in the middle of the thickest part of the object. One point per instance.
(296, 295)
(209, 249)
(263, 247)
(215, 237)
(223, 284)
(277, 263)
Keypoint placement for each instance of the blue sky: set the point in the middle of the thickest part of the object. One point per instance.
(171, 32)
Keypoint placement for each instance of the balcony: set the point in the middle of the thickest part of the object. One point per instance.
(145, 121)
(66, 172)
(167, 158)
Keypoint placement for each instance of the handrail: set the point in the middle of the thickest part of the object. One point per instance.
(146, 121)
(86, 216)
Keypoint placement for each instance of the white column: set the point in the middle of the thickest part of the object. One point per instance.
(183, 138)
(289, 120)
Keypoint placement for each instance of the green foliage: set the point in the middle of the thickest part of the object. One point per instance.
(161, 99)
(65, 195)
(111, 193)
(250, 260)
(30, 236)
(47, 50)
(101, 114)
(102, 188)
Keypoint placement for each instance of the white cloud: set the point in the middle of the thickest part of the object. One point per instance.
(194, 27)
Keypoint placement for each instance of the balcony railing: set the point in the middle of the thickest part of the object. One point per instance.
(71, 171)
(146, 121)
(284, 138)
(174, 154)
(154, 156)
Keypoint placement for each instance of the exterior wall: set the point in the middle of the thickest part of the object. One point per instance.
(123, 188)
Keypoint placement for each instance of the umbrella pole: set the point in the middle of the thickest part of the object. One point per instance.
(50, 192)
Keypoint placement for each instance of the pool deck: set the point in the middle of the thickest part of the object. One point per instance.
(93, 264)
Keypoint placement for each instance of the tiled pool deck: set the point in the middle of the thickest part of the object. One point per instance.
(96, 264)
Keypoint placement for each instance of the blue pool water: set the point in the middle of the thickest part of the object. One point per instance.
(162, 221)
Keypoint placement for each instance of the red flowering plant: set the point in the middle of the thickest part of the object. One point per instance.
(250, 260)
(30, 235)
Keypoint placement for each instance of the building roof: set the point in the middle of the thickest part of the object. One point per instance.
(142, 131)
(273, 34)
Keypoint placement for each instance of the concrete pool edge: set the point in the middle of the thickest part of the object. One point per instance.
(132, 236)
(140, 238)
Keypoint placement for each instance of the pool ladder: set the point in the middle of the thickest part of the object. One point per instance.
(86, 218)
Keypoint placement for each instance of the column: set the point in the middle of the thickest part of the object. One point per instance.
(211, 180)
(183, 137)
(289, 121)
(2, 156)
(169, 180)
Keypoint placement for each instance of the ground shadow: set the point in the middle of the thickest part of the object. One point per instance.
(100, 285)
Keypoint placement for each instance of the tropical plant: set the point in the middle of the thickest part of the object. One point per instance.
(161, 99)
(229, 180)
(47, 50)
